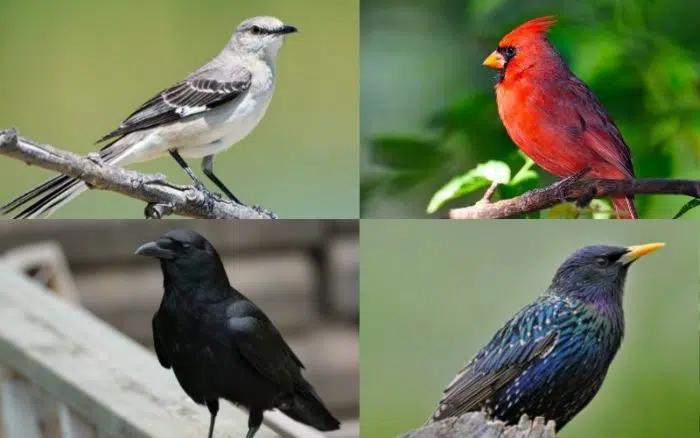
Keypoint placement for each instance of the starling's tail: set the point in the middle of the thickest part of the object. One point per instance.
(624, 207)
(308, 408)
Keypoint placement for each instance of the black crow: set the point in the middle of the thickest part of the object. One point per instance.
(220, 344)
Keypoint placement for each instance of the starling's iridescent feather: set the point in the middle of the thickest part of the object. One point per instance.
(556, 344)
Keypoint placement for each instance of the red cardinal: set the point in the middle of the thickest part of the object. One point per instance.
(552, 115)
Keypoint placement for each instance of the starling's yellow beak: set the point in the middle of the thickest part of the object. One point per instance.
(495, 60)
(636, 251)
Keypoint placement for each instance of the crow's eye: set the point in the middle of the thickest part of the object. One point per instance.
(602, 262)
(255, 30)
(185, 245)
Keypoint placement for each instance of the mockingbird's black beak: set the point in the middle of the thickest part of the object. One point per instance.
(287, 29)
(160, 249)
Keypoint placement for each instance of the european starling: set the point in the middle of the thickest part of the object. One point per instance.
(220, 344)
(551, 358)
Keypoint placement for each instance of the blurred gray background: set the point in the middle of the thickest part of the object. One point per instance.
(302, 273)
(73, 70)
(434, 293)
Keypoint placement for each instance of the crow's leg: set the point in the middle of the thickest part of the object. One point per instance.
(255, 418)
(213, 406)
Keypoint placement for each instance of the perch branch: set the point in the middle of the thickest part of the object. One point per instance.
(162, 197)
(477, 425)
(574, 190)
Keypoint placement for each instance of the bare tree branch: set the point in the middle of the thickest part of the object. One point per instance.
(163, 198)
(477, 425)
(574, 190)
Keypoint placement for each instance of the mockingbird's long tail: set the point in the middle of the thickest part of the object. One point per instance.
(308, 408)
(53, 194)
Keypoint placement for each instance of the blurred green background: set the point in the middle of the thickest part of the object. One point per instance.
(428, 108)
(434, 292)
(73, 70)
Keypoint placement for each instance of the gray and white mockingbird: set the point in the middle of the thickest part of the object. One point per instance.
(206, 113)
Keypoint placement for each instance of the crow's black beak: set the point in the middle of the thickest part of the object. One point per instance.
(159, 249)
(287, 29)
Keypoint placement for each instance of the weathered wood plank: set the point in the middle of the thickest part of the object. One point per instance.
(99, 373)
(19, 413)
(73, 425)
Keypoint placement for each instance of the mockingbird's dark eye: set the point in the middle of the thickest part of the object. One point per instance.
(255, 30)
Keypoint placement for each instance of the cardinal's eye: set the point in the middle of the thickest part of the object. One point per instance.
(602, 262)
(509, 52)
(255, 30)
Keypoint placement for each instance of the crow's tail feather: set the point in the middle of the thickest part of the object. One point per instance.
(308, 408)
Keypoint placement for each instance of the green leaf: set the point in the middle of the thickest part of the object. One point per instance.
(601, 209)
(521, 183)
(695, 202)
(481, 176)
(405, 153)
(565, 210)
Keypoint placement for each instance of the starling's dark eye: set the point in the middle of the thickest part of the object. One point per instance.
(602, 262)
(255, 30)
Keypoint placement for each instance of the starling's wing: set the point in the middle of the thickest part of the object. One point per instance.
(158, 343)
(262, 345)
(193, 95)
(509, 353)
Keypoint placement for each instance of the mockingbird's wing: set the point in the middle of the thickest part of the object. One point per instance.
(193, 95)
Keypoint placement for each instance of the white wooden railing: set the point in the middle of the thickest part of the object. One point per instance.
(65, 373)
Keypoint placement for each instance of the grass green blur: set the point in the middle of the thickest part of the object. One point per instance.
(433, 293)
(73, 70)
(424, 87)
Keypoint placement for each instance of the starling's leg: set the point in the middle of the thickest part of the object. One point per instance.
(213, 406)
(255, 418)
(208, 169)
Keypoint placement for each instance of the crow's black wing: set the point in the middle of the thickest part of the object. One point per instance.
(183, 99)
(158, 343)
(262, 345)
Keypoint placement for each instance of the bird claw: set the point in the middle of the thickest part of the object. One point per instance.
(157, 211)
(96, 158)
(205, 197)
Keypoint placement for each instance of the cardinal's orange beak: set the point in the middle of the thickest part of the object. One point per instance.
(495, 60)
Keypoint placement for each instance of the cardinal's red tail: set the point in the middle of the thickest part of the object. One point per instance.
(624, 207)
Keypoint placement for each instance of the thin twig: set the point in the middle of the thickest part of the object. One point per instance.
(161, 196)
(573, 190)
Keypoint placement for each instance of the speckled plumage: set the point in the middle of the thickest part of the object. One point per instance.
(551, 358)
